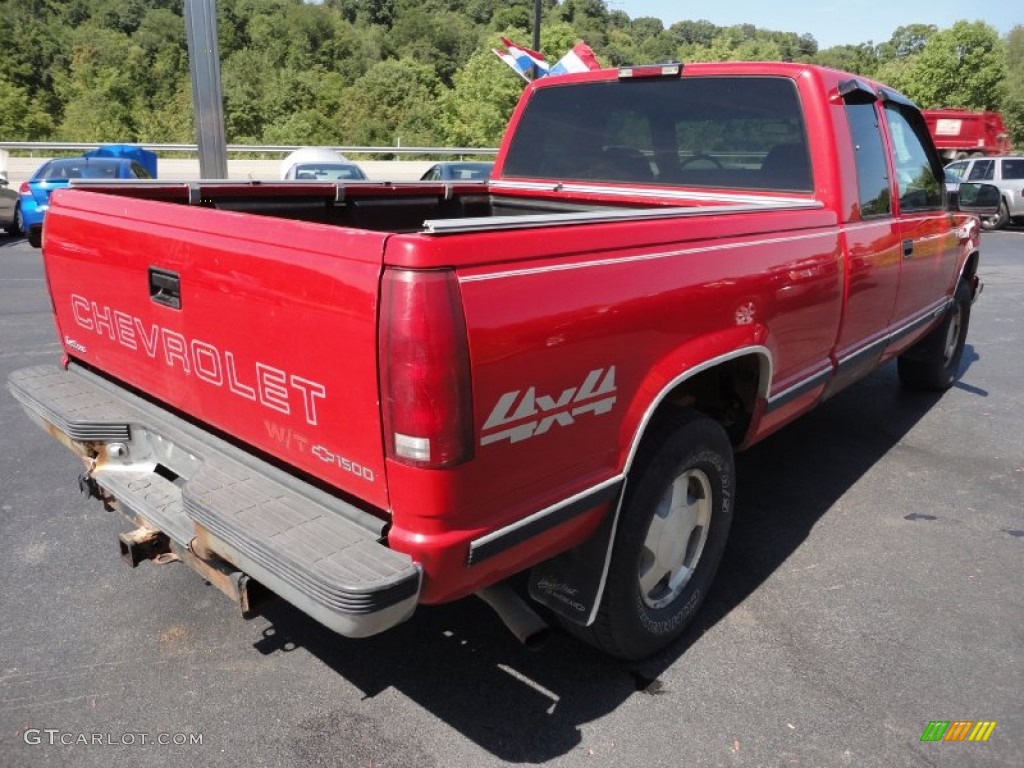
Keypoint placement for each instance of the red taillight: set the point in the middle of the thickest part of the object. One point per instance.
(424, 356)
(24, 189)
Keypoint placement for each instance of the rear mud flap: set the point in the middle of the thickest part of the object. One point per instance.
(571, 584)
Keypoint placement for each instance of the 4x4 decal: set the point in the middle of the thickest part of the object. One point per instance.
(520, 415)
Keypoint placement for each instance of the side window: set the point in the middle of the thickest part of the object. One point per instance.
(982, 170)
(958, 168)
(918, 179)
(1013, 169)
(869, 155)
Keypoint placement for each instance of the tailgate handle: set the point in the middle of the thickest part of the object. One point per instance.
(165, 287)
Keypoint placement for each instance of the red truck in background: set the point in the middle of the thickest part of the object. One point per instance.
(367, 396)
(960, 133)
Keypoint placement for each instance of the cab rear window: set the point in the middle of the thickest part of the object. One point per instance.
(719, 132)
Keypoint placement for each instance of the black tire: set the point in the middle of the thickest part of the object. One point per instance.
(641, 611)
(14, 230)
(933, 363)
(34, 235)
(999, 220)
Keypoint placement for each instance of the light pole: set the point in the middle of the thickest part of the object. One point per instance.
(536, 25)
(204, 63)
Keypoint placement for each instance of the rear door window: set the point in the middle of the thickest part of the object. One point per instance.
(983, 170)
(1013, 169)
(870, 157)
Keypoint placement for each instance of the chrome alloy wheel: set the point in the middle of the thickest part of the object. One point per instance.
(953, 332)
(675, 538)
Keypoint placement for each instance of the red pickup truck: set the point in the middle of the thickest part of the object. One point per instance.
(367, 396)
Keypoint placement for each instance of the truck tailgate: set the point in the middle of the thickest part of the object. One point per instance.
(262, 328)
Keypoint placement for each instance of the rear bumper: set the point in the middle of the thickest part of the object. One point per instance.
(32, 212)
(207, 496)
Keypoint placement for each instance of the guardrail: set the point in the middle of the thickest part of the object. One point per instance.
(268, 149)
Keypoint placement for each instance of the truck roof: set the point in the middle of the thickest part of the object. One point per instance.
(709, 69)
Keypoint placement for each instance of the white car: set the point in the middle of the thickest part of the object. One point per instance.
(320, 164)
(1006, 173)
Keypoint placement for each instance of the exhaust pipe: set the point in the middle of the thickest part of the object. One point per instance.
(529, 628)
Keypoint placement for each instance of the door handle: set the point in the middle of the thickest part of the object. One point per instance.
(165, 287)
(908, 249)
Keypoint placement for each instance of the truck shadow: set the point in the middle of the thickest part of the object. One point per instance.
(6, 241)
(460, 664)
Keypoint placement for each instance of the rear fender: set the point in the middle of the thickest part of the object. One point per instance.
(572, 583)
(695, 357)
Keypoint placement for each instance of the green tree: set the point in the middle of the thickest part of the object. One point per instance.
(376, 71)
(906, 41)
(34, 42)
(21, 118)
(169, 121)
(963, 66)
(475, 112)
(860, 59)
(394, 102)
(1013, 105)
(101, 94)
(443, 40)
(243, 81)
(701, 32)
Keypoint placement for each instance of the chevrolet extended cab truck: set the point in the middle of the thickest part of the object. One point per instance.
(369, 396)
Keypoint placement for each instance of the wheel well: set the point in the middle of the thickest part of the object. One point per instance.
(727, 393)
(970, 267)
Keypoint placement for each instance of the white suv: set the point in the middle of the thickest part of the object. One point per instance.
(1007, 173)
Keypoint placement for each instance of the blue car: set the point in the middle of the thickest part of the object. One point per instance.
(112, 162)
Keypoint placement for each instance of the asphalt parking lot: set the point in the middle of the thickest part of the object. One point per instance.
(874, 582)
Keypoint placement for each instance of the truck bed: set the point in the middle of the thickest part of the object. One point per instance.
(440, 208)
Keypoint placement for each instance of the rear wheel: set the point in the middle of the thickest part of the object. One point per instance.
(997, 221)
(670, 537)
(18, 224)
(932, 363)
(34, 235)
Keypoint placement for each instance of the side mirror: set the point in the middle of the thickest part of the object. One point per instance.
(975, 197)
(3, 179)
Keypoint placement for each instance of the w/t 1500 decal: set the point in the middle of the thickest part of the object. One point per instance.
(521, 415)
(292, 440)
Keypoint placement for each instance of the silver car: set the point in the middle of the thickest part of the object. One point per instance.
(1006, 173)
(10, 218)
(10, 211)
